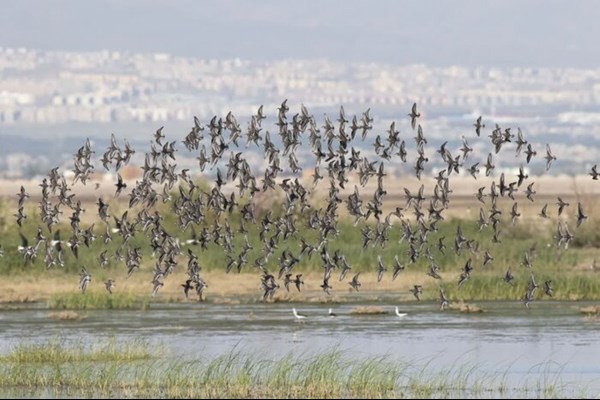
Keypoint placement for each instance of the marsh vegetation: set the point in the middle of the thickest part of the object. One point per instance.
(130, 369)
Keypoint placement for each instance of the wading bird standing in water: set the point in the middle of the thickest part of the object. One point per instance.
(299, 317)
(399, 314)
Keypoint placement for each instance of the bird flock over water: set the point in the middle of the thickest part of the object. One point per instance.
(205, 216)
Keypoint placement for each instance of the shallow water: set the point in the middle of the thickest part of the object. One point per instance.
(550, 339)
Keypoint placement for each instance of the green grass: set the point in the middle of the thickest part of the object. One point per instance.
(113, 370)
(57, 351)
(515, 241)
(97, 300)
(490, 286)
(565, 268)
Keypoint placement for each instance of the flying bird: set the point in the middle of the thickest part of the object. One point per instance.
(549, 157)
(594, 174)
(580, 215)
(414, 115)
(478, 125)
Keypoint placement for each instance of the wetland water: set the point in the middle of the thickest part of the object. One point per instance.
(549, 340)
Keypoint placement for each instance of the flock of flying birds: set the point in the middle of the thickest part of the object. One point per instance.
(207, 214)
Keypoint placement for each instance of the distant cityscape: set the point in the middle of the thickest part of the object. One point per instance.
(46, 92)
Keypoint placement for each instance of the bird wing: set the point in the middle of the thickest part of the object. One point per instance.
(24, 241)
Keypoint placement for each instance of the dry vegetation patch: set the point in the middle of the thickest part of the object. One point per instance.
(465, 307)
(368, 310)
(66, 315)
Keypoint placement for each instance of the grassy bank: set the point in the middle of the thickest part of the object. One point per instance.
(61, 293)
(571, 271)
(127, 371)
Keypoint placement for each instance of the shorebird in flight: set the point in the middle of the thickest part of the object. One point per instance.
(478, 125)
(443, 300)
(86, 278)
(414, 115)
(109, 285)
(594, 174)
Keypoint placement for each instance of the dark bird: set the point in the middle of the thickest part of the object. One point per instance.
(530, 192)
(20, 216)
(286, 281)
(22, 196)
(325, 286)
(441, 245)
(466, 149)
(527, 260)
(380, 268)
(580, 215)
(85, 279)
(478, 125)
(355, 284)
(530, 292)
(487, 258)
(522, 176)
(594, 174)
(466, 274)
(508, 277)
(156, 284)
(480, 195)
(489, 166)
(561, 205)
(474, 170)
(187, 286)
(29, 252)
(433, 271)
(520, 142)
(414, 115)
(298, 281)
(544, 212)
(102, 209)
(549, 157)
(514, 214)
(120, 185)
(109, 285)
(443, 300)
(398, 267)
(417, 291)
(483, 221)
(530, 152)
(528, 298)
(159, 135)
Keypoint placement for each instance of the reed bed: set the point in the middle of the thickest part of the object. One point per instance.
(97, 300)
(129, 371)
(57, 351)
(567, 285)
